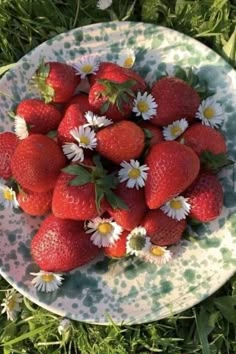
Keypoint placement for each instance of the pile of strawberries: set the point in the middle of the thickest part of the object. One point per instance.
(73, 181)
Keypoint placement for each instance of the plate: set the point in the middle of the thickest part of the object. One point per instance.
(128, 292)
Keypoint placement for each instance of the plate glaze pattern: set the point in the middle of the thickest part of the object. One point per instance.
(129, 291)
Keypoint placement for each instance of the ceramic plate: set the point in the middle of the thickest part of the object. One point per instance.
(128, 292)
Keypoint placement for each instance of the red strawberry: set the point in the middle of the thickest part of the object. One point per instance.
(34, 203)
(203, 138)
(175, 99)
(135, 200)
(36, 163)
(156, 133)
(162, 229)
(82, 100)
(113, 90)
(73, 118)
(8, 144)
(117, 250)
(41, 117)
(62, 245)
(121, 142)
(205, 197)
(56, 81)
(73, 202)
(172, 168)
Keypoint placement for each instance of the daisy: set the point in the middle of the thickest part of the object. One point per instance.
(133, 173)
(8, 197)
(103, 4)
(85, 136)
(64, 326)
(20, 128)
(47, 281)
(96, 121)
(73, 151)
(137, 241)
(177, 208)
(126, 58)
(145, 105)
(174, 130)
(86, 65)
(105, 232)
(11, 304)
(157, 255)
(210, 112)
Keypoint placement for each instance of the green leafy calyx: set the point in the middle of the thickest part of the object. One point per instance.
(40, 80)
(104, 183)
(116, 93)
(214, 162)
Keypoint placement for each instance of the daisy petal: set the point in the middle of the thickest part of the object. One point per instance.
(174, 130)
(137, 241)
(86, 65)
(177, 208)
(96, 121)
(157, 255)
(47, 281)
(133, 173)
(210, 112)
(105, 232)
(126, 58)
(103, 4)
(85, 136)
(20, 128)
(145, 105)
(11, 304)
(8, 197)
(73, 151)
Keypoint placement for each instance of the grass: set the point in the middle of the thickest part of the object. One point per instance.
(208, 328)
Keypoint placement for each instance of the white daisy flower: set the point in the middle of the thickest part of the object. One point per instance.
(137, 241)
(105, 232)
(145, 106)
(133, 173)
(73, 151)
(20, 128)
(8, 197)
(96, 121)
(157, 255)
(86, 65)
(174, 130)
(103, 4)
(177, 208)
(210, 112)
(85, 136)
(11, 304)
(64, 326)
(126, 58)
(47, 281)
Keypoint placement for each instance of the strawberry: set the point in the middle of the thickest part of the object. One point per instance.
(118, 250)
(163, 230)
(40, 116)
(82, 100)
(154, 132)
(8, 144)
(34, 203)
(121, 141)
(73, 118)
(36, 163)
(205, 197)
(135, 200)
(62, 245)
(172, 168)
(80, 192)
(203, 138)
(56, 81)
(113, 90)
(176, 99)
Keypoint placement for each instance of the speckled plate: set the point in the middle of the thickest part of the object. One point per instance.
(128, 292)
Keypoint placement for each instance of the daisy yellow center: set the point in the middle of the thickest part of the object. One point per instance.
(11, 303)
(157, 251)
(176, 130)
(143, 107)
(209, 112)
(8, 195)
(105, 228)
(47, 278)
(128, 62)
(134, 173)
(87, 68)
(84, 140)
(176, 204)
